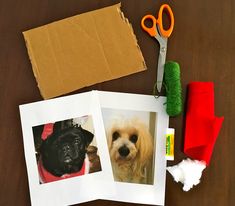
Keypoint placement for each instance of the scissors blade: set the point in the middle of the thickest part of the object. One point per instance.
(161, 61)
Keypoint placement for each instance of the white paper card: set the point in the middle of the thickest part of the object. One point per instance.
(73, 190)
(118, 108)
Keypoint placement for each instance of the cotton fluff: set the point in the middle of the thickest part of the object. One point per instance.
(188, 172)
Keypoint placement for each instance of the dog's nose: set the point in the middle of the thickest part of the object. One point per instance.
(124, 151)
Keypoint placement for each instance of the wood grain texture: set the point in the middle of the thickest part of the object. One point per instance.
(203, 42)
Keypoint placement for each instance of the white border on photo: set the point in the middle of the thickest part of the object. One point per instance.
(142, 193)
(72, 190)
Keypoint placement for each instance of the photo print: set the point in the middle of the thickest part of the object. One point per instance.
(130, 137)
(66, 149)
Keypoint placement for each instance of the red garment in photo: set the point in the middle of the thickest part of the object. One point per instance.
(202, 126)
(47, 130)
(46, 176)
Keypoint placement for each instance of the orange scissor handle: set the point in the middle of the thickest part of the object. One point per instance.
(167, 8)
(151, 30)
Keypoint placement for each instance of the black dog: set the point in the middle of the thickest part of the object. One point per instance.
(63, 152)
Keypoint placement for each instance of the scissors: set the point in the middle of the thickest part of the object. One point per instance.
(158, 32)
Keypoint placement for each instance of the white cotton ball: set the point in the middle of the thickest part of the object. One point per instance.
(188, 172)
(176, 172)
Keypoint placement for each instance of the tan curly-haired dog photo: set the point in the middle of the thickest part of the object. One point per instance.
(131, 149)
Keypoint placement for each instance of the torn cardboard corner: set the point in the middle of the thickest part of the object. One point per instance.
(83, 50)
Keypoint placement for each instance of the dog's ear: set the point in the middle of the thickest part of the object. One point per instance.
(88, 135)
(37, 133)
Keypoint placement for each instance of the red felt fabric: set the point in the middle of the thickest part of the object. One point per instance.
(202, 126)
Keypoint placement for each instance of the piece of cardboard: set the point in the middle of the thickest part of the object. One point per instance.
(83, 50)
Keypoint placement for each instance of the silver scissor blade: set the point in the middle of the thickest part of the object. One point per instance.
(161, 61)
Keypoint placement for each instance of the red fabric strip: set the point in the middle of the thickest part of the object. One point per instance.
(202, 126)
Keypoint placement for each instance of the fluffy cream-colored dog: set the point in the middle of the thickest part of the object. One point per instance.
(131, 150)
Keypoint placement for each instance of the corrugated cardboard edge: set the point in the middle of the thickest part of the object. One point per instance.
(35, 67)
(132, 31)
(33, 63)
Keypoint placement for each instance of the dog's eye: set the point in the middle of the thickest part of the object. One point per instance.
(115, 136)
(133, 138)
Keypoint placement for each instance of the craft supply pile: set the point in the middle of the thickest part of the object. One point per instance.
(109, 145)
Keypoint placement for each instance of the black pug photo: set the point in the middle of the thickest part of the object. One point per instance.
(64, 151)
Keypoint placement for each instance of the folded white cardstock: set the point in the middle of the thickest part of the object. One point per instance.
(98, 185)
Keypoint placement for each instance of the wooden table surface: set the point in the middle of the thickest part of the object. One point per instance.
(203, 42)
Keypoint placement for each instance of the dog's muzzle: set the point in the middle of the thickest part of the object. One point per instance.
(124, 151)
(68, 153)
